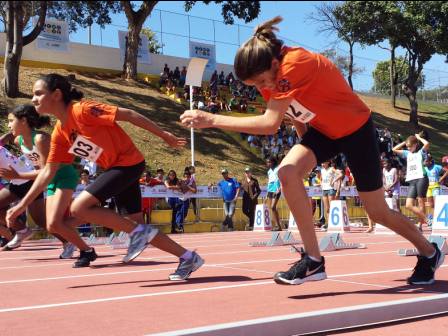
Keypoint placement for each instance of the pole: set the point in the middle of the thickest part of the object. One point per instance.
(90, 34)
(192, 129)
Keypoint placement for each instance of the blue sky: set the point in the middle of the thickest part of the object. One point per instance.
(295, 30)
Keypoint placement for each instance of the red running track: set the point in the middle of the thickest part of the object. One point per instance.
(232, 294)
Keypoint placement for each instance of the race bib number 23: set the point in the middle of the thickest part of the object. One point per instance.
(85, 149)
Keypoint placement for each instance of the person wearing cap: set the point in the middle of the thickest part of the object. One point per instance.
(251, 190)
(230, 189)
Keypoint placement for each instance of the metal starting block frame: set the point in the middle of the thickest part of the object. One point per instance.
(121, 241)
(334, 242)
(439, 240)
(277, 240)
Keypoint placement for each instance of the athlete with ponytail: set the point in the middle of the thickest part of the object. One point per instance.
(330, 118)
(90, 130)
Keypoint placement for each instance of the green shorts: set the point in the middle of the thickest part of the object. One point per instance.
(66, 178)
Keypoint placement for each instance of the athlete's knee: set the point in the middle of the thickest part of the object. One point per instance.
(53, 226)
(289, 172)
(78, 210)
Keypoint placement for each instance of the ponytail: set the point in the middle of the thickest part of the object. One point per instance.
(54, 81)
(33, 119)
(255, 55)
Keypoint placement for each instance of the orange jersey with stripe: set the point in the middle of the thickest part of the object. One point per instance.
(321, 96)
(93, 123)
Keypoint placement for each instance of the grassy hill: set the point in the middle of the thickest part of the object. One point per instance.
(215, 149)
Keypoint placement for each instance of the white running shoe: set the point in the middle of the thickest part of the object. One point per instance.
(139, 241)
(186, 267)
(68, 250)
(18, 239)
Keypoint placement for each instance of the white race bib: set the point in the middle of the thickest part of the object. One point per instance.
(299, 112)
(85, 149)
(414, 166)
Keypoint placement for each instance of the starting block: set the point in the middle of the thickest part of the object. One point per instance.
(92, 240)
(277, 240)
(439, 240)
(110, 238)
(121, 242)
(334, 241)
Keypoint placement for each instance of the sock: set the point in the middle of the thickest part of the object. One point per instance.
(314, 259)
(138, 228)
(187, 255)
(23, 230)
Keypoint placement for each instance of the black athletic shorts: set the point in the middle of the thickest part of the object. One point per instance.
(272, 195)
(360, 148)
(418, 187)
(121, 183)
(21, 190)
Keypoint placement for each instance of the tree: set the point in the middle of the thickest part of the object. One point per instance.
(381, 75)
(153, 44)
(330, 17)
(247, 10)
(16, 16)
(342, 62)
(418, 27)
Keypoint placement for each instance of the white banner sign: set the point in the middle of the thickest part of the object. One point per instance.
(143, 55)
(54, 35)
(206, 51)
(215, 192)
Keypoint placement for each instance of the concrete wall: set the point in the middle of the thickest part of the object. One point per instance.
(105, 58)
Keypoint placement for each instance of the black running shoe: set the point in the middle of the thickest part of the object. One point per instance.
(426, 267)
(303, 270)
(85, 257)
(3, 241)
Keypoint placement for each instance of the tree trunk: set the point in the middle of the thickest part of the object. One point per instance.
(393, 82)
(15, 41)
(410, 90)
(131, 54)
(14, 46)
(350, 66)
(136, 19)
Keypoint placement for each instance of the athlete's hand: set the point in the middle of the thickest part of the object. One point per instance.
(13, 213)
(197, 119)
(9, 174)
(174, 141)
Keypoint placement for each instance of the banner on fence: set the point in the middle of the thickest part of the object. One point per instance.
(54, 35)
(143, 55)
(206, 51)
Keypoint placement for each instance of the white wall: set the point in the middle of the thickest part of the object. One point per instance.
(103, 58)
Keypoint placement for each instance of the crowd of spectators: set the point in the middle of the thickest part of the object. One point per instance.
(223, 93)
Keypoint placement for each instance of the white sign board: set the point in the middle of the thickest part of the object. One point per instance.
(195, 71)
(262, 218)
(205, 51)
(440, 218)
(143, 55)
(338, 221)
(54, 35)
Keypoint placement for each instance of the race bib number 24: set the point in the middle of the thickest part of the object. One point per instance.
(85, 149)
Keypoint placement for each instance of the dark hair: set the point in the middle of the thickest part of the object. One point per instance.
(273, 160)
(54, 81)
(255, 55)
(33, 119)
(85, 171)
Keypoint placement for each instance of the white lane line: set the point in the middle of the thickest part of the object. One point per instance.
(164, 269)
(118, 298)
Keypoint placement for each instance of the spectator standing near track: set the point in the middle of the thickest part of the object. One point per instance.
(416, 175)
(434, 173)
(332, 119)
(274, 191)
(230, 189)
(251, 190)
